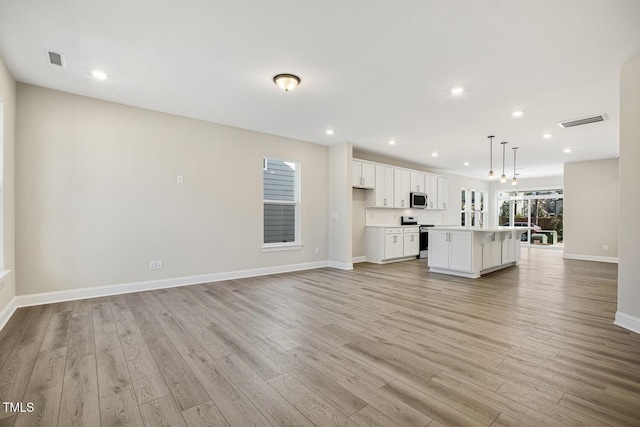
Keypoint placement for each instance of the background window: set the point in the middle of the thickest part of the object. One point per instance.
(280, 180)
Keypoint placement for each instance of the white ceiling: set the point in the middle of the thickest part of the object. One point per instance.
(372, 70)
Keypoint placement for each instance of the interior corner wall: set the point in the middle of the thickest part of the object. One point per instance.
(98, 198)
(8, 99)
(591, 210)
(629, 267)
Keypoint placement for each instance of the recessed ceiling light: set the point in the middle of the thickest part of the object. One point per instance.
(457, 90)
(100, 75)
(567, 150)
(392, 142)
(434, 154)
(466, 163)
(547, 135)
(517, 113)
(329, 131)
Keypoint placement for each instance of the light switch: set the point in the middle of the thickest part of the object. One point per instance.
(180, 179)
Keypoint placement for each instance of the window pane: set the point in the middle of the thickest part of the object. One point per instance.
(279, 180)
(279, 223)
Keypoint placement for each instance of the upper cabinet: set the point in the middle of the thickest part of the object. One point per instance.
(401, 188)
(384, 187)
(443, 193)
(393, 186)
(417, 182)
(363, 175)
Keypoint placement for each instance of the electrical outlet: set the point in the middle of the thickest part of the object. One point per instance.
(317, 251)
(605, 248)
(180, 179)
(158, 265)
(152, 265)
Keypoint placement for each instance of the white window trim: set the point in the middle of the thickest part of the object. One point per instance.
(285, 246)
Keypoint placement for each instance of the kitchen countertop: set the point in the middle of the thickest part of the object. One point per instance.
(479, 229)
(393, 226)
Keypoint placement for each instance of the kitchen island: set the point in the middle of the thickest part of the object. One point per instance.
(473, 251)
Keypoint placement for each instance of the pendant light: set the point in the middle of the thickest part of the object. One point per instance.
(503, 178)
(490, 156)
(514, 181)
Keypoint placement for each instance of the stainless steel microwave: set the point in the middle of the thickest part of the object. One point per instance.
(419, 200)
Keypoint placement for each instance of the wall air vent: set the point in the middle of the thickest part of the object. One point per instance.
(583, 121)
(56, 59)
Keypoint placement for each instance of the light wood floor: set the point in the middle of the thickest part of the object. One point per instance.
(379, 346)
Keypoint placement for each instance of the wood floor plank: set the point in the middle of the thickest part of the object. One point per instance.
(149, 326)
(82, 307)
(57, 334)
(312, 406)
(124, 320)
(273, 406)
(113, 374)
(205, 414)
(80, 404)
(146, 378)
(15, 373)
(162, 412)
(370, 417)
(233, 404)
(12, 331)
(9, 421)
(102, 317)
(177, 333)
(182, 383)
(81, 336)
(44, 390)
(120, 410)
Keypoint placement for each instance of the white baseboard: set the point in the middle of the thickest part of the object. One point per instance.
(628, 322)
(125, 288)
(341, 265)
(611, 259)
(8, 311)
(357, 259)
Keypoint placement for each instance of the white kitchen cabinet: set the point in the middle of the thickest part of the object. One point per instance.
(491, 250)
(384, 187)
(443, 193)
(418, 182)
(431, 184)
(363, 175)
(390, 244)
(411, 239)
(509, 248)
(401, 188)
(393, 245)
(451, 250)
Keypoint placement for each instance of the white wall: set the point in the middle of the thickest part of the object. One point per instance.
(7, 153)
(340, 227)
(591, 210)
(98, 198)
(629, 266)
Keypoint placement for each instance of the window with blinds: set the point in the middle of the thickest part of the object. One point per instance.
(280, 182)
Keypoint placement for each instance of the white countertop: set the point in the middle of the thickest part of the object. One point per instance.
(393, 226)
(479, 229)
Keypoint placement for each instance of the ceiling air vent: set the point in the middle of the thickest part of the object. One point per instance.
(56, 59)
(583, 121)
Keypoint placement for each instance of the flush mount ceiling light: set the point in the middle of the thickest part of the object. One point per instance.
(547, 135)
(514, 181)
(491, 156)
(517, 113)
(391, 142)
(567, 150)
(100, 75)
(503, 178)
(457, 90)
(434, 154)
(466, 163)
(329, 131)
(286, 82)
